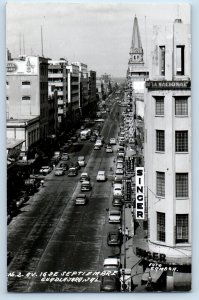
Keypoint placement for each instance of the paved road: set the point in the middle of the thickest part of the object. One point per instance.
(51, 234)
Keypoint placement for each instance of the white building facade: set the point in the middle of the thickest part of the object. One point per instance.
(168, 143)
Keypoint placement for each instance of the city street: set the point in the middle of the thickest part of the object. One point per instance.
(51, 234)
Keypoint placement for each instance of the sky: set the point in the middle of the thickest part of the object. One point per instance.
(98, 35)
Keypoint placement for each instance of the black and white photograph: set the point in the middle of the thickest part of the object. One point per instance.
(99, 147)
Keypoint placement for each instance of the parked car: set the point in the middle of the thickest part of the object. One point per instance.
(118, 179)
(110, 284)
(64, 156)
(81, 199)
(72, 172)
(115, 216)
(97, 147)
(119, 172)
(120, 159)
(112, 264)
(98, 142)
(45, 170)
(114, 238)
(101, 176)
(84, 177)
(112, 141)
(59, 171)
(93, 138)
(85, 186)
(64, 166)
(120, 165)
(118, 201)
(117, 189)
(75, 165)
(81, 161)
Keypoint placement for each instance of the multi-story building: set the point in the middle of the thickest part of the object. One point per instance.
(27, 91)
(92, 104)
(83, 87)
(57, 77)
(73, 91)
(168, 148)
(52, 112)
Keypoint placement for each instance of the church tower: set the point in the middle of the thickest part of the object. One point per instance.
(136, 51)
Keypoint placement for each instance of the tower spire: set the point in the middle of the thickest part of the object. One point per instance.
(136, 39)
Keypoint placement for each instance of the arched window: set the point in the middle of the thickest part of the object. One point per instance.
(26, 98)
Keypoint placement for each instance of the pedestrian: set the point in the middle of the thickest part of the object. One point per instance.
(42, 182)
(127, 233)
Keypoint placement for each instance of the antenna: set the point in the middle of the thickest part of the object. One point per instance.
(23, 45)
(146, 55)
(42, 50)
(20, 43)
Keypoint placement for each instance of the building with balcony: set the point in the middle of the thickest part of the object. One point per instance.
(83, 87)
(58, 78)
(73, 92)
(168, 148)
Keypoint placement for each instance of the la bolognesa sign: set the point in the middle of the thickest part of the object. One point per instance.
(139, 173)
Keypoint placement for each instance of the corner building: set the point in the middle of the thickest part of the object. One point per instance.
(168, 146)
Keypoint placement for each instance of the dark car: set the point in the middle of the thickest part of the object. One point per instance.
(93, 138)
(110, 284)
(118, 201)
(64, 166)
(72, 172)
(113, 238)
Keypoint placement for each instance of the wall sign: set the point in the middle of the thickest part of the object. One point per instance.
(11, 67)
(139, 173)
(168, 85)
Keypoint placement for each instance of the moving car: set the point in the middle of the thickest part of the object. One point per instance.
(72, 172)
(114, 238)
(98, 143)
(101, 176)
(45, 170)
(84, 177)
(97, 147)
(112, 141)
(85, 186)
(109, 149)
(64, 166)
(110, 284)
(59, 171)
(81, 199)
(115, 216)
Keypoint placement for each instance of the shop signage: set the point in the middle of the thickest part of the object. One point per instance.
(168, 85)
(11, 67)
(139, 173)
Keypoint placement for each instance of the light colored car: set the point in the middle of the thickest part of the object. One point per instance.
(119, 172)
(59, 171)
(117, 189)
(84, 177)
(72, 172)
(81, 199)
(115, 216)
(45, 170)
(112, 141)
(98, 143)
(109, 149)
(101, 176)
(85, 186)
(112, 263)
(120, 165)
(81, 161)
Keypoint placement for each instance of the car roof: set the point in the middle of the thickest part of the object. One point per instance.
(84, 174)
(81, 157)
(101, 172)
(86, 182)
(81, 196)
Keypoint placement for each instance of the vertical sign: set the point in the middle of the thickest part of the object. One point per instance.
(139, 173)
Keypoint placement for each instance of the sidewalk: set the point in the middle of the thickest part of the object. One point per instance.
(137, 240)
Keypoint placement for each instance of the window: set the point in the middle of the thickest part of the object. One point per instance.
(26, 98)
(7, 83)
(160, 140)
(181, 141)
(162, 60)
(26, 83)
(161, 226)
(159, 106)
(7, 98)
(181, 106)
(160, 184)
(182, 229)
(179, 60)
(182, 185)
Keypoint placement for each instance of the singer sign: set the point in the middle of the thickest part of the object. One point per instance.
(139, 193)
